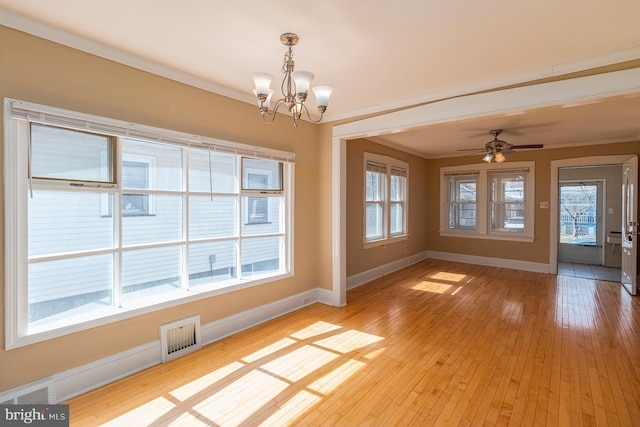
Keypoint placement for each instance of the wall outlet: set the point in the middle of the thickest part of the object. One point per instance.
(544, 205)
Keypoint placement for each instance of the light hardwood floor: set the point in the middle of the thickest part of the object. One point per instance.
(438, 343)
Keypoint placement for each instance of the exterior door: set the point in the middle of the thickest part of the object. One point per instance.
(629, 225)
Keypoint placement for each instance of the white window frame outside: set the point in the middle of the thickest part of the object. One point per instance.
(17, 115)
(483, 228)
(387, 237)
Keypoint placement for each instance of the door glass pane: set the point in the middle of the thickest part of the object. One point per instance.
(260, 256)
(59, 153)
(578, 213)
(68, 222)
(59, 290)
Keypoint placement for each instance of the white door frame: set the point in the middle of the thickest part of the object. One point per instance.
(617, 160)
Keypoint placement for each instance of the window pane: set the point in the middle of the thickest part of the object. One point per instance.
(59, 153)
(161, 163)
(209, 218)
(258, 174)
(374, 221)
(462, 215)
(462, 189)
(68, 222)
(374, 181)
(150, 273)
(222, 173)
(462, 202)
(164, 226)
(260, 256)
(397, 218)
(61, 289)
(261, 215)
(397, 188)
(212, 262)
(507, 203)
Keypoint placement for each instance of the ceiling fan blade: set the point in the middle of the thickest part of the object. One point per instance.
(477, 150)
(507, 151)
(527, 146)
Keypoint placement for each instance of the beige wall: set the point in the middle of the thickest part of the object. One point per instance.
(358, 258)
(35, 70)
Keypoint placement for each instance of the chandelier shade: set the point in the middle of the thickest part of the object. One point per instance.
(295, 89)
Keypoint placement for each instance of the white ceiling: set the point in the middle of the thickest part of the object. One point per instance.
(376, 54)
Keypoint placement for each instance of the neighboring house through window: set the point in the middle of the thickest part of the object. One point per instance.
(102, 226)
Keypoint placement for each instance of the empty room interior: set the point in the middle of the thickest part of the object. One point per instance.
(434, 225)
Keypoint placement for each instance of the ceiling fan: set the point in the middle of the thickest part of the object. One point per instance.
(496, 149)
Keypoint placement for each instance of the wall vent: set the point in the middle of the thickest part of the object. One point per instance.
(180, 337)
(39, 392)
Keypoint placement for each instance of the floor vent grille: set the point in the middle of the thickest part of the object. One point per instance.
(39, 392)
(180, 337)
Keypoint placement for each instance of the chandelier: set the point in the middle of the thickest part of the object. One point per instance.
(294, 88)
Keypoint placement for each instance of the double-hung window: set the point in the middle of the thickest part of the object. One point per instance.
(385, 194)
(488, 201)
(104, 222)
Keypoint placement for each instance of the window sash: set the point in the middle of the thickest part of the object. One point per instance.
(385, 198)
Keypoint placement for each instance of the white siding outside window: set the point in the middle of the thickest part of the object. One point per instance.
(103, 226)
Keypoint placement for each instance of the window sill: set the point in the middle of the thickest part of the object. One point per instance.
(504, 237)
(386, 241)
(109, 315)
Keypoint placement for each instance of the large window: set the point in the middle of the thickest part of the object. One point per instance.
(116, 225)
(385, 192)
(489, 201)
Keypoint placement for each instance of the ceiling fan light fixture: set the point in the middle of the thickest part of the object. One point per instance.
(295, 88)
(488, 158)
(499, 157)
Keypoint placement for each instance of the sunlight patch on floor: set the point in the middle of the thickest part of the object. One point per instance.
(436, 288)
(257, 388)
(196, 386)
(449, 277)
(348, 341)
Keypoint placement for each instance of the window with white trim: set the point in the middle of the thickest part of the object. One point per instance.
(103, 224)
(385, 198)
(488, 201)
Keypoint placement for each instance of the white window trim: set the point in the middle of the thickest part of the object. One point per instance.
(482, 198)
(16, 159)
(387, 238)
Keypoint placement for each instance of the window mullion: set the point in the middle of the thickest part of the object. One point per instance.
(117, 224)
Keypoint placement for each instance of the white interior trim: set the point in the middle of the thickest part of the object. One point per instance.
(553, 195)
(479, 105)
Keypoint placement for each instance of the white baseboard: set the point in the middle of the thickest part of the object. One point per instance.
(492, 262)
(369, 275)
(87, 377)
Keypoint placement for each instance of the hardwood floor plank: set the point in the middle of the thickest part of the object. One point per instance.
(437, 343)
